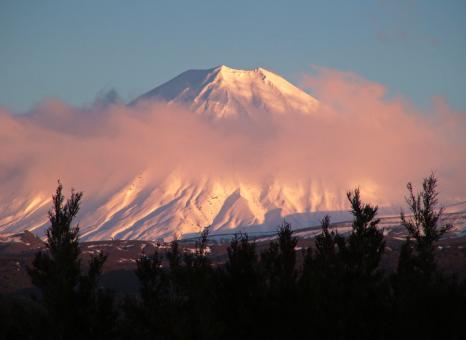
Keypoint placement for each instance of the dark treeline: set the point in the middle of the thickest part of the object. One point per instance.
(337, 290)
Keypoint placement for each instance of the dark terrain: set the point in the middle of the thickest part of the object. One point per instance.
(17, 252)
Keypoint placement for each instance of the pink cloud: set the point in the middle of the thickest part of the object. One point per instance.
(400, 141)
(356, 137)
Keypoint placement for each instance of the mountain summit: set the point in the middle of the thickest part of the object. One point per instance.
(224, 92)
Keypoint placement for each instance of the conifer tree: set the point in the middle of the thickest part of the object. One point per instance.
(71, 297)
(150, 275)
(365, 245)
(279, 266)
(422, 292)
(279, 259)
(424, 229)
(242, 259)
(240, 289)
(320, 282)
(356, 256)
(146, 317)
(322, 266)
(326, 253)
(56, 271)
(341, 278)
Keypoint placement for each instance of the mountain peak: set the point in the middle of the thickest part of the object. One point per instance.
(233, 74)
(227, 69)
(225, 92)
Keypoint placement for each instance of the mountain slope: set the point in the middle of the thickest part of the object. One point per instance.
(150, 209)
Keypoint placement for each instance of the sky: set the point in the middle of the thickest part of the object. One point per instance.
(76, 50)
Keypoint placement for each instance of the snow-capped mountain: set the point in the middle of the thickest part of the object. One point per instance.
(225, 92)
(148, 208)
(146, 204)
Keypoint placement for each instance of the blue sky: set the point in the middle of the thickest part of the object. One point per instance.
(73, 50)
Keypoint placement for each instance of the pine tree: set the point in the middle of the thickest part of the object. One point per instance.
(341, 277)
(320, 283)
(326, 253)
(428, 303)
(357, 256)
(365, 285)
(365, 245)
(240, 289)
(424, 229)
(72, 298)
(56, 271)
(279, 260)
(322, 266)
(279, 266)
(201, 288)
(242, 264)
(150, 275)
(147, 317)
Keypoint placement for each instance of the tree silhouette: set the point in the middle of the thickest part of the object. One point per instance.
(320, 283)
(279, 265)
(149, 273)
(147, 318)
(423, 228)
(341, 277)
(336, 288)
(71, 297)
(241, 290)
(279, 259)
(365, 245)
(423, 293)
(56, 272)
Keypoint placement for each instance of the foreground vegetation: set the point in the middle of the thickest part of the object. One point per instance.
(338, 291)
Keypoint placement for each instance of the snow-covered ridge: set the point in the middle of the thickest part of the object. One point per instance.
(224, 92)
